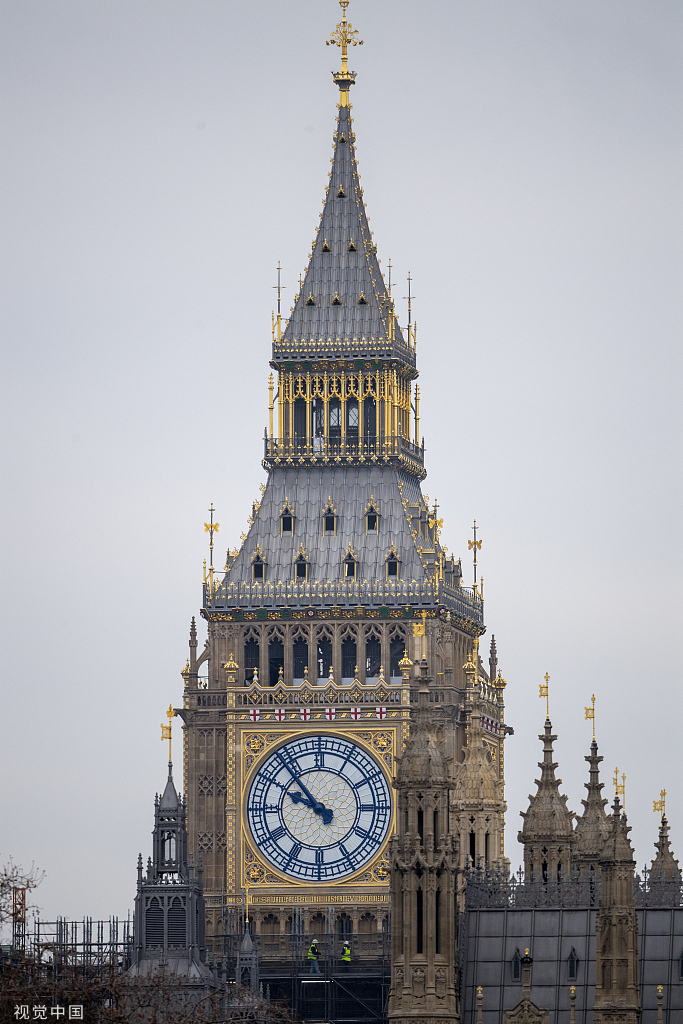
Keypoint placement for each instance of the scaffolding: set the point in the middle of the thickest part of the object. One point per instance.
(98, 946)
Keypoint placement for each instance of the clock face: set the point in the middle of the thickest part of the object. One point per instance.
(319, 808)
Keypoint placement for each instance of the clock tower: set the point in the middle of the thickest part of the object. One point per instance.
(299, 705)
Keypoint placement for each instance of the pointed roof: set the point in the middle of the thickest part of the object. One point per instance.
(593, 827)
(169, 800)
(617, 847)
(343, 297)
(548, 817)
(664, 866)
(423, 763)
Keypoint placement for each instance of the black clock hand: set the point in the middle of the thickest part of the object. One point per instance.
(326, 813)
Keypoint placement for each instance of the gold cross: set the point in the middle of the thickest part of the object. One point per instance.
(590, 713)
(620, 789)
(660, 805)
(211, 528)
(474, 545)
(166, 730)
(543, 692)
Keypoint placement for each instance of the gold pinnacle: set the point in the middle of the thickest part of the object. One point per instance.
(590, 713)
(166, 730)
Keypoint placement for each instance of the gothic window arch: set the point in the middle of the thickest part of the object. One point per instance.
(572, 965)
(397, 650)
(276, 656)
(373, 652)
(176, 923)
(349, 653)
(323, 653)
(300, 655)
(287, 520)
(251, 656)
(154, 923)
(516, 966)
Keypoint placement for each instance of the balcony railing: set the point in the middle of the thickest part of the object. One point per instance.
(335, 451)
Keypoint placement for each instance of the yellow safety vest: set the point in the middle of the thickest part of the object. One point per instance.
(313, 952)
(346, 953)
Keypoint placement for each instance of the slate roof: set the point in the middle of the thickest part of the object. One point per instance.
(350, 489)
(337, 275)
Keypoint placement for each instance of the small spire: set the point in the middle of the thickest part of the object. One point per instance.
(664, 866)
(493, 660)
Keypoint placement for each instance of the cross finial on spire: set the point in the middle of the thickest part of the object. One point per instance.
(543, 692)
(211, 528)
(344, 36)
(660, 805)
(590, 713)
(166, 730)
(474, 545)
(620, 788)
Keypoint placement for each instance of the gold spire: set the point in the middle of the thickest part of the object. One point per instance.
(660, 805)
(590, 713)
(166, 730)
(344, 35)
(543, 692)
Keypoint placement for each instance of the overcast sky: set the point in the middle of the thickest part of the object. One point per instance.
(523, 161)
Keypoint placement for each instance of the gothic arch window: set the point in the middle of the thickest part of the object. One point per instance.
(317, 924)
(516, 966)
(324, 654)
(335, 418)
(373, 653)
(258, 566)
(371, 517)
(329, 519)
(301, 565)
(572, 965)
(344, 926)
(251, 658)
(392, 563)
(352, 417)
(169, 848)
(287, 518)
(367, 924)
(276, 658)
(397, 649)
(369, 418)
(300, 656)
(349, 653)
(270, 925)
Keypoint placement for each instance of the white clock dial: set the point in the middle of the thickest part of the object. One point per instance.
(319, 808)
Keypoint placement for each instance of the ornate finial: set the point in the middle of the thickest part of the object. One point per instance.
(543, 692)
(211, 528)
(620, 788)
(474, 545)
(660, 805)
(405, 665)
(231, 667)
(166, 730)
(344, 36)
(590, 713)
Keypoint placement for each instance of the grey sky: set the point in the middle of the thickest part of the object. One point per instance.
(523, 161)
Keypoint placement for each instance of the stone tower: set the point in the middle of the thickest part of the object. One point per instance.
(423, 879)
(477, 802)
(593, 827)
(169, 904)
(547, 833)
(616, 930)
(665, 866)
(340, 572)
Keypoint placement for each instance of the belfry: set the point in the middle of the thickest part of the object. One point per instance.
(298, 708)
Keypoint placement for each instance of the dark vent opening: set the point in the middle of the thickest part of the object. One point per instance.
(336, 301)
(176, 923)
(362, 300)
(154, 924)
(326, 247)
(372, 522)
(287, 524)
(258, 570)
(301, 570)
(341, 194)
(310, 301)
(351, 247)
(392, 567)
(329, 524)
